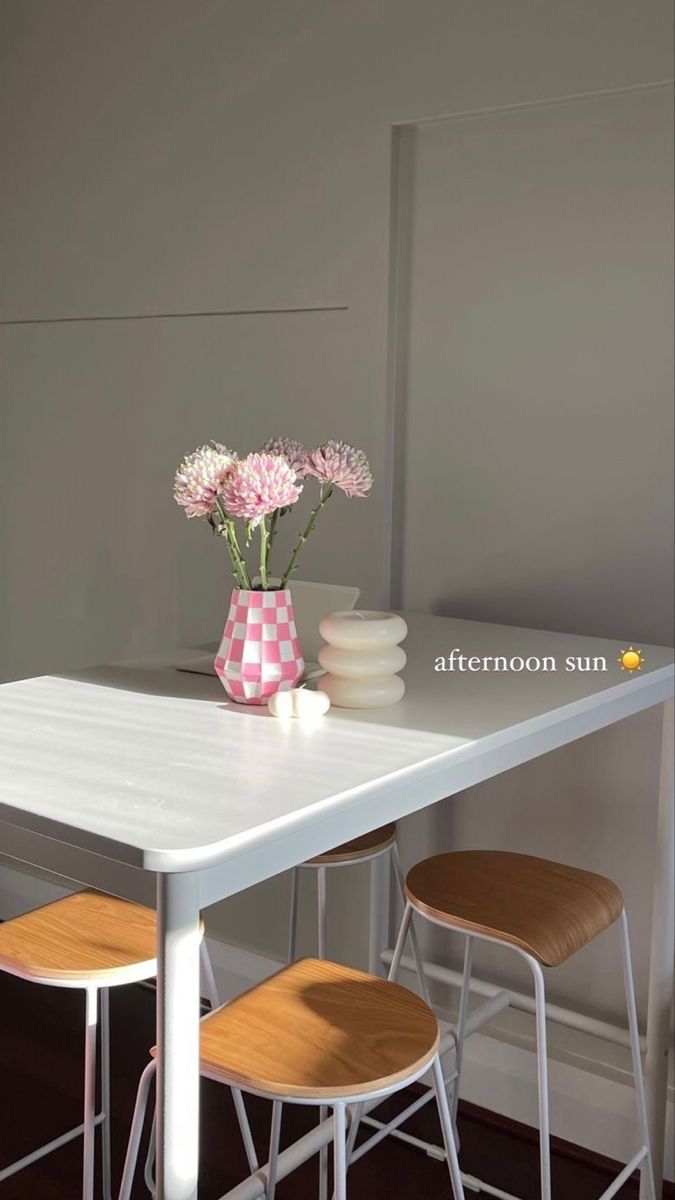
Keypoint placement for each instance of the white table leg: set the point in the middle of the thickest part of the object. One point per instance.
(661, 959)
(177, 1036)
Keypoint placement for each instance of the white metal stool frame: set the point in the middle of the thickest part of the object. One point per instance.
(253, 1187)
(346, 1113)
(390, 851)
(133, 973)
(393, 1127)
(642, 1158)
(96, 1008)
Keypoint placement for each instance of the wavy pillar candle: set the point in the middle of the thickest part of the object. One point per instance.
(363, 658)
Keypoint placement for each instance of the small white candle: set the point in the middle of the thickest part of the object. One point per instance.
(299, 702)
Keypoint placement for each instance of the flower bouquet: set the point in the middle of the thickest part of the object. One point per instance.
(242, 499)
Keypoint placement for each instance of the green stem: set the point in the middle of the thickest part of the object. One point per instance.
(229, 532)
(273, 525)
(323, 499)
(241, 561)
(264, 554)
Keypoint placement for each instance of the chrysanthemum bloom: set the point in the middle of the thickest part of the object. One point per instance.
(201, 477)
(341, 465)
(294, 453)
(258, 485)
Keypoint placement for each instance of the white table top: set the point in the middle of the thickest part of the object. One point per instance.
(155, 768)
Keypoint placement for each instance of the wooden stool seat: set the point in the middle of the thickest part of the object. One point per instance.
(318, 1030)
(318, 1034)
(547, 909)
(371, 843)
(82, 939)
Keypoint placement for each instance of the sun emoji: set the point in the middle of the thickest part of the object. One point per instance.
(631, 660)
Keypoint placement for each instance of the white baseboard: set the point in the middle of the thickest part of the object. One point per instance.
(592, 1102)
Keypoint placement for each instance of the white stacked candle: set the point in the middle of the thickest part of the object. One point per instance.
(362, 658)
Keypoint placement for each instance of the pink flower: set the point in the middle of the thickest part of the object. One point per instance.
(258, 485)
(341, 465)
(200, 478)
(294, 453)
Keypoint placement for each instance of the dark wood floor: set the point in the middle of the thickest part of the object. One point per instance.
(41, 1073)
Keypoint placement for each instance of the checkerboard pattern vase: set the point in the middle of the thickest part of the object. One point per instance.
(259, 653)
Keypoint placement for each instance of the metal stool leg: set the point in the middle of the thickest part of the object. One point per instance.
(293, 922)
(401, 940)
(406, 930)
(357, 1113)
(410, 928)
(88, 1156)
(275, 1133)
(398, 869)
(136, 1130)
(446, 1126)
(149, 1168)
(419, 963)
(245, 1130)
(208, 976)
(542, 1073)
(647, 1170)
(321, 910)
(375, 889)
(339, 1152)
(461, 1027)
(323, 1159)
(87, 1129)
(105, 1094)
(355, 1121)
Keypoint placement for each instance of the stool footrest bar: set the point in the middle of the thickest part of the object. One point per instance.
(621, 1178)
(428, 1148)
(479, 1017)
(48, 1148)
(295, 1155)
(478, 1185)
(392, 1128)
(554, 1012)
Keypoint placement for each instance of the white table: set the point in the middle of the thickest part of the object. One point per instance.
(147, 783)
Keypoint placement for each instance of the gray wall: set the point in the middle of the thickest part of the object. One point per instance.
(539, 415)
(169, 157)
(537, 423)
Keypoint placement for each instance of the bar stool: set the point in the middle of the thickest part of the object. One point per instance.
(317, 1034)
(546, 912)
(368, 848)
(93, 942)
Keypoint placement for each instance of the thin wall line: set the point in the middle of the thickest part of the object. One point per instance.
(174, 316)
(400, 244)
(548, 102)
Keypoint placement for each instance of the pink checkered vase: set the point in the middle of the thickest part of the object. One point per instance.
(259, 653)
